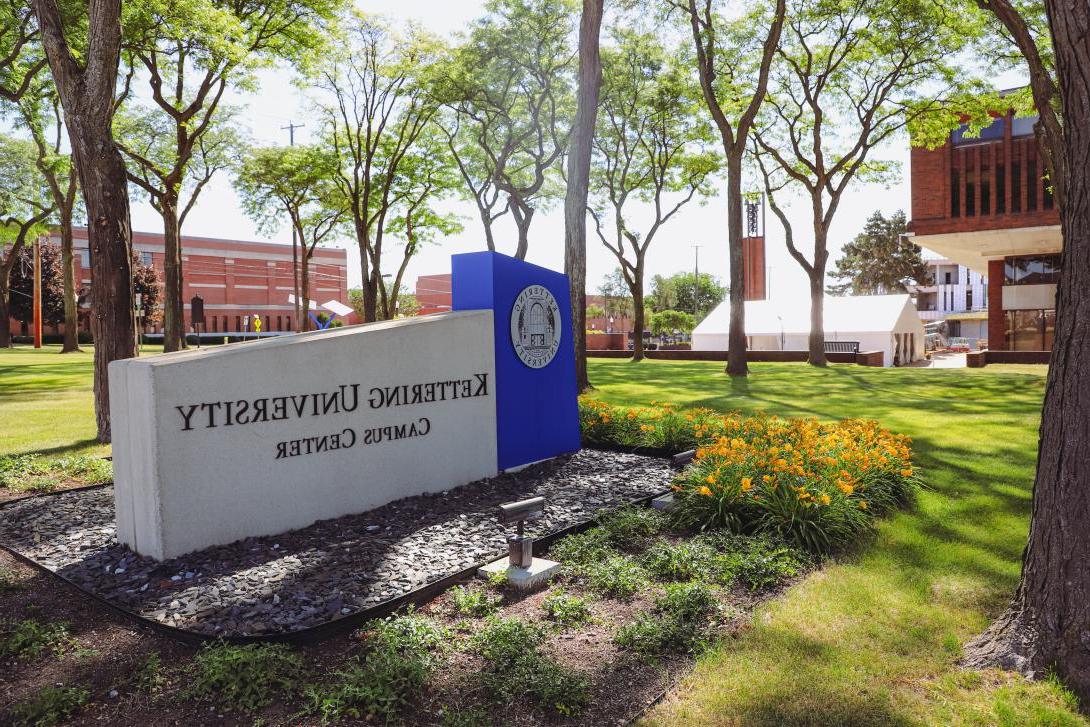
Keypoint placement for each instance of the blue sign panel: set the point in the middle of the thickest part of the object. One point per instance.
(537, 414)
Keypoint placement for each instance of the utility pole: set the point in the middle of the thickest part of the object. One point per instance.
(37, 303)
(291, 127)
(696, 280)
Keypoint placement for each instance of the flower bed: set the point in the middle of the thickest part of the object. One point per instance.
(818, 484)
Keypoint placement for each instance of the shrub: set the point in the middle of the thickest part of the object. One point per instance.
(50, 706)
(516, 667)
(629, 528)
(685, 561)
(148, 675)
(616, 577)
(565, 610)
(659, 426)
(473, 602)
(244, 677)
(817, 485)
(29, 638)
(582, 548)
(675, 627)
(758, 562)
(400, 654)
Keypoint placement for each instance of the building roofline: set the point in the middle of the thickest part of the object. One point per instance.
(81, 232)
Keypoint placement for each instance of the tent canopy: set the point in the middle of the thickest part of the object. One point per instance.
(848, 315)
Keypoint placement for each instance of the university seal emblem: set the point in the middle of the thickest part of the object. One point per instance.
(535, 326)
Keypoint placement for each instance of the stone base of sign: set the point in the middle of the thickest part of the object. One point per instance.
(664, 503)
(539, 573)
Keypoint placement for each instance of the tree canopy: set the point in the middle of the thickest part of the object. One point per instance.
(880, 259)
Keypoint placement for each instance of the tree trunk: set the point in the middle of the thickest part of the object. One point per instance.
(173, 304)
(575, 201)
(5, 317)
(638, 322)
(523, 215)
(86, 92)
(105, 191)
(736, 338)
(817, 319)
(486, 220)
(1048, 623)
(68, 258)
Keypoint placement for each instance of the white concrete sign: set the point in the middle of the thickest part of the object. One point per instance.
(222, 443)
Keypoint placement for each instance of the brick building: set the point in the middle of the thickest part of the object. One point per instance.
(981, 202)
(235, 278)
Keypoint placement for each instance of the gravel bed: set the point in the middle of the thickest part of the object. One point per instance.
(326, 570)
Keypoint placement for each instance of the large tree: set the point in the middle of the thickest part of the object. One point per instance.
(578, 177)
(190, 53)
(83, 45)
(880, 259)
(295, 181)
(653, 154)
(508, 90)
(848, 76)
(40, 113)
(686, 292)
(373, 100)
(1046, 625)
(24, 207)
(733, 59)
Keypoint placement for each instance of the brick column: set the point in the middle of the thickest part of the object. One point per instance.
(997, 325)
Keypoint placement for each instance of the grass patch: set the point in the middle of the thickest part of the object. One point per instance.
(50, 706)
(30, 638)
(244, 678)
(400, 654)
(34, 473)
(516, 668)
(934, 574)
(630, 528)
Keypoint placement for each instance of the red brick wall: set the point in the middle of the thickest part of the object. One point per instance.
(753, 251)
(931, 186)
(433, 293)
(607, 341)
(997, 325)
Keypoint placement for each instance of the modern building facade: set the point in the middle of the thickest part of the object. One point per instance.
(983, 203)
(957, 295)
(235, 278)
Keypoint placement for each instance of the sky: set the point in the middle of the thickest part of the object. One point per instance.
(696, 230)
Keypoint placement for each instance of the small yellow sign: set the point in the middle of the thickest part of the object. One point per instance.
(257, 324)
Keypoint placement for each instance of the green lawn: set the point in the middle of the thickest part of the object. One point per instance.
(871, 639)
(874, 639)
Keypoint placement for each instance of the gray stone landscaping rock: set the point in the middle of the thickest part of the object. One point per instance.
(332, 568)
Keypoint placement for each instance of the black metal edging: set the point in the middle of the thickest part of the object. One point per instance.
(323, 631)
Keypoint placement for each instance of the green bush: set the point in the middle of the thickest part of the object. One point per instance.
(616, 577)
(516, 668)
(758, 562)
(685, 561)
(565, 610)
(675, 627)
(29, 638)
(629, 528)
(148, 675)
(582, 548)
(473, 602)
(400, 654)
(244, 677)
(50, 706)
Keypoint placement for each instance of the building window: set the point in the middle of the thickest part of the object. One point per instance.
(955, 193)
(969, 298)
(948, 279)
(238, 324)
(985, 191)
(85, 259)
(145, 259)
(1016, 187)
(992, 132)
(970, 194)
(1000, 189)
(1031, 184)
(1031, 270)
(1049, 201)
(1030, 330)
(1023, 125)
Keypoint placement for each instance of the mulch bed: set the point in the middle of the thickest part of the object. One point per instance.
(330, 569)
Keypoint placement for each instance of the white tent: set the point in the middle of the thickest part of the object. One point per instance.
(887, 323)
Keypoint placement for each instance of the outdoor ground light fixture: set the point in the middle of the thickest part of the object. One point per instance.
(520, 547)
